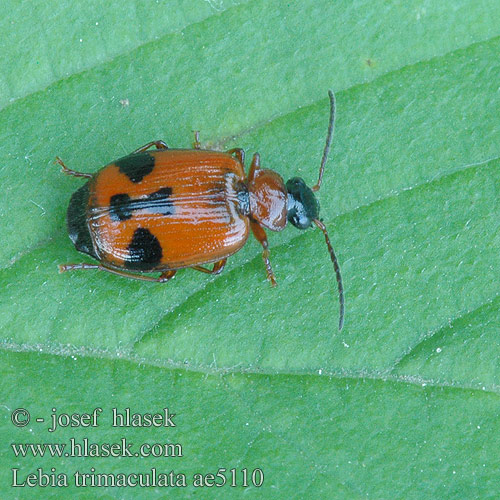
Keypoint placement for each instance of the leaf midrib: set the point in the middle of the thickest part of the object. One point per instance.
(62, 350)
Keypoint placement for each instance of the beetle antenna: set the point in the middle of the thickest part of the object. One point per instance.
(337, 270)
(329, 136)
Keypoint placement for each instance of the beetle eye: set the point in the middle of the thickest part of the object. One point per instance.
(303, 206)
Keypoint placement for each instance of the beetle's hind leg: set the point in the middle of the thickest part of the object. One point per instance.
(68, 171)
(157, 144)
(163, 278)
(217, 269)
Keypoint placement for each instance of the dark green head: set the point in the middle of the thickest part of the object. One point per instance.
(302, 206)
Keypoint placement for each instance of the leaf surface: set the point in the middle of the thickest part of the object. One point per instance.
(404, 401)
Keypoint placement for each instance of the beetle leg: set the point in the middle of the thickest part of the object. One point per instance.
(166, 276)
(196, 142)
(239, 153)
(68, 171)
(254, 166)
(260, 234)
(163, 278)
(158, 144)
(217, 269)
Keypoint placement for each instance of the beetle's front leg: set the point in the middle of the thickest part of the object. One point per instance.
(261, 237)
(254, 166)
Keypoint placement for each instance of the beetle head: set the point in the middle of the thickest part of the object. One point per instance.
(302, 205)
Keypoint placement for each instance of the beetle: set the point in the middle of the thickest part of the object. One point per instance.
(161, 210)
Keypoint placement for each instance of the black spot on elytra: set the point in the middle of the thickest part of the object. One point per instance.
(136, 166)
(144, 251)
(122, 206)
(159, 202)
(119, 207)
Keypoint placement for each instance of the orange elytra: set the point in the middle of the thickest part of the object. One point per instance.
(160, 210)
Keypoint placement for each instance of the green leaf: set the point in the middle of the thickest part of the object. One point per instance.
(404, 401)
